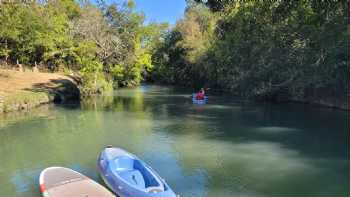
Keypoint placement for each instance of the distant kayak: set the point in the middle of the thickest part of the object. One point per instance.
(128, 176)
(199, 101)
(64, 182)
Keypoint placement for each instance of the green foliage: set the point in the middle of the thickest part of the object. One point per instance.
(36, 32)
(269, 52)
(180, 57)
(262, 49)
(94, 80)
(106, 44)
(216, 5)
(118, 72)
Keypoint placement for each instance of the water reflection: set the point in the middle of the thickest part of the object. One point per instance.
(22, 180)
(225, 148)
(40, 112)
(272, 129)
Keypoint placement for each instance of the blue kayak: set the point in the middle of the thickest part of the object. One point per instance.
(128, 176)
(197, 101)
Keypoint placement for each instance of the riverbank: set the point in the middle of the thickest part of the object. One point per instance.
(342, 103)
(25, 90)
(319, 98)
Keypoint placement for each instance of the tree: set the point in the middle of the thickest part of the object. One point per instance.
(216, 5)
(182, 54)
(91, 26)
(82, 37)
(261, 49)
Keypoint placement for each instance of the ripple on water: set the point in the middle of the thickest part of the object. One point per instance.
(275, 130)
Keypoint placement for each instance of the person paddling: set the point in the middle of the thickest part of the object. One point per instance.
(201, 94)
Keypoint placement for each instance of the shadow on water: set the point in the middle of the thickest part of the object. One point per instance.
(274, 149)
(299, 144)
(224, 148)
(64, 90)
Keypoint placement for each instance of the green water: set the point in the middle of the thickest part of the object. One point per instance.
(222, 149)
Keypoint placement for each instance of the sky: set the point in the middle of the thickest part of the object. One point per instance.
(160, 10)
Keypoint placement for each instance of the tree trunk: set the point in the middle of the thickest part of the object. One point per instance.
(6, 55)
(95, 81)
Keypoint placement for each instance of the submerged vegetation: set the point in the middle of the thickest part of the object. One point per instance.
(261, 49)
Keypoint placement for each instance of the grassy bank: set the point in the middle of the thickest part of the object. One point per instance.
(25, 90)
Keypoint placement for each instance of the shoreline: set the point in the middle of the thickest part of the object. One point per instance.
(333, 103)
(27, 90)
(328, 101)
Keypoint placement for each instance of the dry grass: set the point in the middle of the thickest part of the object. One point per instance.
(22, 90)
(12, 82)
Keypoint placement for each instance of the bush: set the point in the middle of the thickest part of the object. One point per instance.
(94, 80)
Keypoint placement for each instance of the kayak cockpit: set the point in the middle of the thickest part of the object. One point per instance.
(134, 172)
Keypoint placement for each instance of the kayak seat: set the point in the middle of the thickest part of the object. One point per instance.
(150, 178)
(135, 173)
(123, 163)
(124, 166)
(133, 177)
